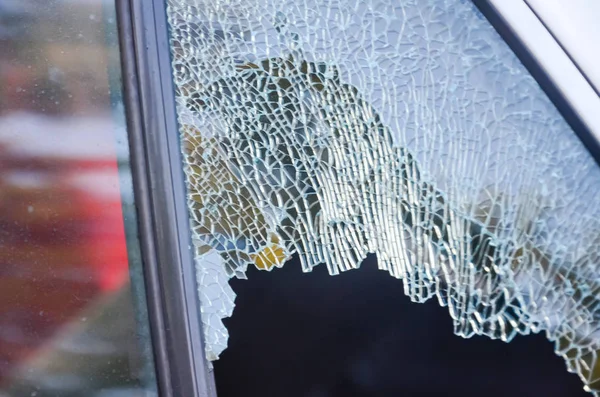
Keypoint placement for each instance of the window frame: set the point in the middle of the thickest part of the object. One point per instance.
(159, 182)
(160, 196)
(557, 73)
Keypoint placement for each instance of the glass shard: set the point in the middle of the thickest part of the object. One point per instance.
(405, 129)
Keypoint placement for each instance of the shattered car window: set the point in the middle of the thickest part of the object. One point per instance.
(407, 129)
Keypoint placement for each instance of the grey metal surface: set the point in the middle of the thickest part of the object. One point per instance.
(160, 194)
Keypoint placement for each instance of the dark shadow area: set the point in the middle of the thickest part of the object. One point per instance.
(356, 334)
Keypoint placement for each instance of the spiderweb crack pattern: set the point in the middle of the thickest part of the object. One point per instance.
(406, 129)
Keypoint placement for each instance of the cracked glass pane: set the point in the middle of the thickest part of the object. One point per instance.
(407, 129)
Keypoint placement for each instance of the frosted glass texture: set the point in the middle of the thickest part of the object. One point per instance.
(407, 129)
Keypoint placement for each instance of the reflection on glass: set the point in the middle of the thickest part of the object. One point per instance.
(71, 321)
(404, 129)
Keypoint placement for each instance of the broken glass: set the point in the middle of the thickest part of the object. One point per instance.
(408, 129)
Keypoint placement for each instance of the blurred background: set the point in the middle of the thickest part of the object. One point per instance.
(70, 322)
